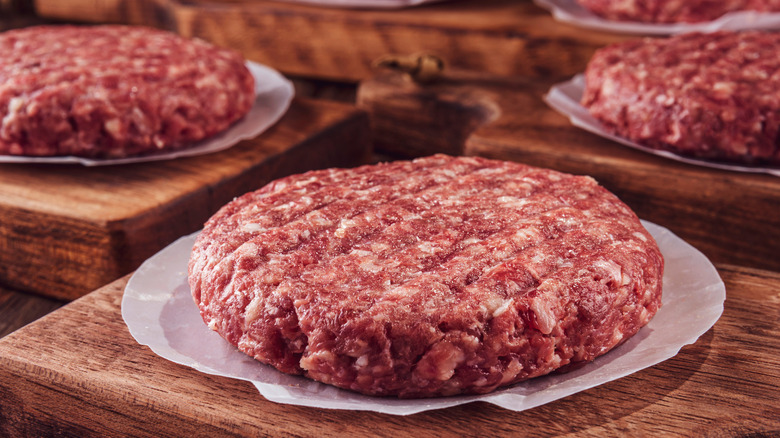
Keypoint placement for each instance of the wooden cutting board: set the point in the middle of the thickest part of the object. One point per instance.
(732, 217)
(78, 372)
(503, 37)
(67, 229)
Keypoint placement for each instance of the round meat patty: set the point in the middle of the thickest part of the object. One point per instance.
(674, 11)
(114, 91)
(422, 278)
(713, 96)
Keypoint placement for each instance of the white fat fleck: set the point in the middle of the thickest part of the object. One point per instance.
(113, 127)
(206, 81)
(512, 201)
(174, 70)
(317, 218)
(370, 266)
(321, 356)
(360, 253)
(724, 88)
(545, 318)
(664, 100)
(427, 247)
(252, 310)
(362, 361)
(212, 324)
(644, 316)
(411, 216)
(15, 104)
(286, 206)
(446, 368)
(247, 249)
(617, 336)
(525, 234)
(252, 228)
(612, 268)
(512, 370)
(625, 279)
(378, 247)
(503, 308)
(305, 234)
(538, 258)
(608, 87)
(567, 220)
(470, 341)
(341, 231)
(470, 241)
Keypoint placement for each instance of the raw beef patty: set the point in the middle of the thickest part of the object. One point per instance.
(114, 91)
(713, 96)
(422, 278)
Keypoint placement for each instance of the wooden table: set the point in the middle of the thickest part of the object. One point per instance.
(78, 372)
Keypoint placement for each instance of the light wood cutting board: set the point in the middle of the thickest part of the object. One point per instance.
(732, 217)
(78, 372)
(67, 229)
(503, 37)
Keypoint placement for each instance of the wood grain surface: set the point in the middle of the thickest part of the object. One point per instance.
(69, 229)
(503, 37)
(732, 217)
(78, 372)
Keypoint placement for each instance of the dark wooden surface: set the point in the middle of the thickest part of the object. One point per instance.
(78, 372)
(503, 37)
(732, 217)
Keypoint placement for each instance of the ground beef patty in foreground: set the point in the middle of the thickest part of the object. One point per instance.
(714, 96)
(674, 11)
(114, 91)
(431, 277)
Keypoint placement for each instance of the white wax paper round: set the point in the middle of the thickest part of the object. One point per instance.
(273, 94)
(159, 312)
(565, 98)
(569, 11)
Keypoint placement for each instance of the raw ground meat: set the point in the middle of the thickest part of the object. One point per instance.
(422, 278)
(714, 96)
(114, 91)
(674, 11)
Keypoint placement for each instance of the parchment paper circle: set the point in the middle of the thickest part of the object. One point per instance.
(160, 313)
